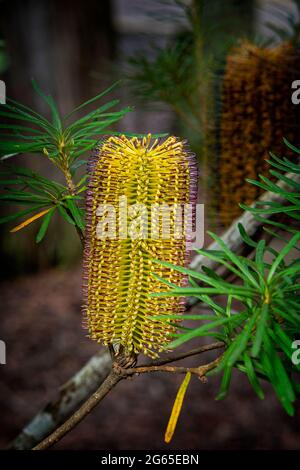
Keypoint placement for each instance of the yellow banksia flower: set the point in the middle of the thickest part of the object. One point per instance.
(256, 114)
(119, 270)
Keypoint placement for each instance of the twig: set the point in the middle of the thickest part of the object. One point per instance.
(76, 390)
(72, 190)
(200, 371)
(71, 395)
(122, 362)
(178, 357)
(108, 384)
(123, 367)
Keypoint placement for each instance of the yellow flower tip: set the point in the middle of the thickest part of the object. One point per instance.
(118, 272)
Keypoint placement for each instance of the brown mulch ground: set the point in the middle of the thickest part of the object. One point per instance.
(41, 325)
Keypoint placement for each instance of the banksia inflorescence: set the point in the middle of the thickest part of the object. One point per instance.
(120, 271)
(256, 114)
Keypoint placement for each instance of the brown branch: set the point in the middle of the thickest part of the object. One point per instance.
(69, 180)
(200, 371)
(71, 189)
(123, 367)
(71, 395)
(192, 352)
(122, 362)
(108, 384)
(76, 390)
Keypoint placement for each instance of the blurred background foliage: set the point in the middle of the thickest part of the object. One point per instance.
(187, 73)
(58, 49)
(228, 82)
(178, 58)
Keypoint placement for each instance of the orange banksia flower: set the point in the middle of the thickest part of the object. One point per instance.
(135, 177)
(257, 113)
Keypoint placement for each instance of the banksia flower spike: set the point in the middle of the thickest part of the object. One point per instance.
(134, 177)
(256, 114)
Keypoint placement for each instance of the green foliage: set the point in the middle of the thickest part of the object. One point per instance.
(185, 73)
(62, 140)
(258, 317)
(29, 189)
(170, 77)
(283, 170)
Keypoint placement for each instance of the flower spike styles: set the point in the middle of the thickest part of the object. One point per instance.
(135, 186)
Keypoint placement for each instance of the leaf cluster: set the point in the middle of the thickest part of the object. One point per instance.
(258, 316)
(62, 140)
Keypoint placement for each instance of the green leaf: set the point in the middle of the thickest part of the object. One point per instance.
(236, 291)
(286, 179)
(24, 199)
(283, 254)
(202, 330)
(291, 146)
(250, 371)
(20, 115)
(80, 125)
(75, 213)
(29, 111)
(259, 257)
(241, 341)
(262, 323)
(246, 237)
(211, 279)
(78, 164)
(65, 215)
(95, 98)
(49, 100)
(235, 259)
(11, 217)
(278, 376)
(44, 225)
(280, 337)
(225, 383)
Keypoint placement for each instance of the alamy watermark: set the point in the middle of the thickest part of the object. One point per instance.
(296, 353)
(295, 97)
(2, 92)
(2, 352)
(157, 222)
